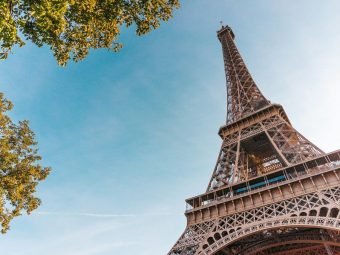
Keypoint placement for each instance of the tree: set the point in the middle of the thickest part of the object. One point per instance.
(72, 27)
(19, 169)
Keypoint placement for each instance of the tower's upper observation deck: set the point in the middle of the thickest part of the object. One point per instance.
(225, 29)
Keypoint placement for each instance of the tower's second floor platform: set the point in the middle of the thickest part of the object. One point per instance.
(316, 174)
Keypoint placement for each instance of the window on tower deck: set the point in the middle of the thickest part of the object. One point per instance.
(257, 183)
(239, 189)
(276, 177)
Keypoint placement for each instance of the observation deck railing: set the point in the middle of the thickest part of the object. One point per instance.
(324, 163)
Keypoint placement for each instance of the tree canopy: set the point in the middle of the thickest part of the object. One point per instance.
(72, 27)
(19, 169)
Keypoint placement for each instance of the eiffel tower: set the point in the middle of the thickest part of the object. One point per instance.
(272, 191)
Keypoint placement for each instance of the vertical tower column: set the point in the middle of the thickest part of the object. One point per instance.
(243, 96)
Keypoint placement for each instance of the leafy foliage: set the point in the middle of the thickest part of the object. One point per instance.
(19, 171)
(72, 27)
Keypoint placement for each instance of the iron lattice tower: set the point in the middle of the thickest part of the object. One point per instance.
(272, 190)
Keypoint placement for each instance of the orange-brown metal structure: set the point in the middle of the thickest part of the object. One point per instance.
(272, 191)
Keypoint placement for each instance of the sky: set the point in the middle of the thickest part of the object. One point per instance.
(131, 135)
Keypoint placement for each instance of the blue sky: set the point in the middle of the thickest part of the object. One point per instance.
(131, 135)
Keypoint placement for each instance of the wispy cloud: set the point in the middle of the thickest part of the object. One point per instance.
(103, 215)
(98, 215)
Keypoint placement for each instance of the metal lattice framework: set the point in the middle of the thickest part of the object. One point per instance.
(240, 158)
(301, 250)
(319, 210)
(244, 97)
(272, 191)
